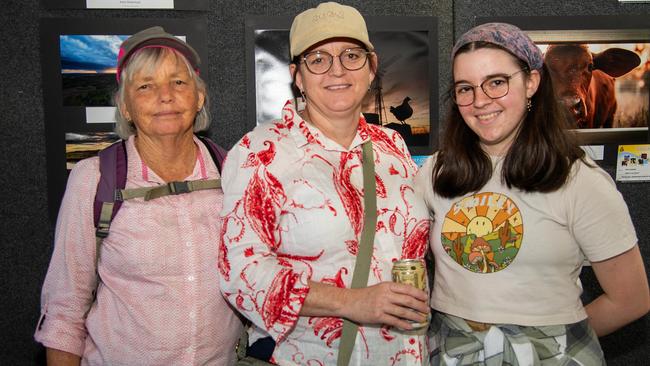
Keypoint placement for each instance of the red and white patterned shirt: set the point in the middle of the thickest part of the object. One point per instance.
(159, 301)
(293, 212)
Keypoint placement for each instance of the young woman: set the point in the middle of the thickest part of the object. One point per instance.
(517, 207)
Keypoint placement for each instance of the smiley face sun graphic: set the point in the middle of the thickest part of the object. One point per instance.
(483, 232)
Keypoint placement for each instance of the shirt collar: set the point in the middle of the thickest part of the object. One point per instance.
(305, 133)
(138, 169)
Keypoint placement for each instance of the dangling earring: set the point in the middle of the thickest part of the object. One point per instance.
(301, 103)
(529, 105)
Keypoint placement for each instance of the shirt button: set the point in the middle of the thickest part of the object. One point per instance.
(190, 278)
(192, 315)
(188, 244)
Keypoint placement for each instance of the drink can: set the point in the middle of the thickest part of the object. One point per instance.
(411, 272)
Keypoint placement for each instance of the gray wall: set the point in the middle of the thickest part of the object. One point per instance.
(26, 232)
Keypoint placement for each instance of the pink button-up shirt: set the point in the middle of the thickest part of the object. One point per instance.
(158, 302)
(293, 212)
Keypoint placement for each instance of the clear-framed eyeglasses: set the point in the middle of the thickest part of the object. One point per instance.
(494, 87)
(320, 62)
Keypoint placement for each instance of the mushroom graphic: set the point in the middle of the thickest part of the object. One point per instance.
(481, 252)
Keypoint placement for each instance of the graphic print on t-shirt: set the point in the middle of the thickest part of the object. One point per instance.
(483, 232)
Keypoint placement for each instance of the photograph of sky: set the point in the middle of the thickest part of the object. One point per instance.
(88, 65)
(89, 54)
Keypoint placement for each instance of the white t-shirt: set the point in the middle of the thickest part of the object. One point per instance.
(507, 256)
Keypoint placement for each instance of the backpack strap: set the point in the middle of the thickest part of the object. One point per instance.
(217, 152)
(112, 177)
(111, 190)
(171, 188)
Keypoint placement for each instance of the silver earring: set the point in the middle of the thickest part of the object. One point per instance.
(529, 105)
(304, 97)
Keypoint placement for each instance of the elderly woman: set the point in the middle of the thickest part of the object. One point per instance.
(157, 295)
(293, 212)
(517, 207)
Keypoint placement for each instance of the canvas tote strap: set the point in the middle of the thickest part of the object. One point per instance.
(364, 253)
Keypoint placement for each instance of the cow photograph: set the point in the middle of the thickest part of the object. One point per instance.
(603, 85)
(600, 67)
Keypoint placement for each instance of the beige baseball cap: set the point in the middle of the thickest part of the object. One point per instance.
(327, 20)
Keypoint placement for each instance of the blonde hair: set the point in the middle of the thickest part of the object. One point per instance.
(148, 59)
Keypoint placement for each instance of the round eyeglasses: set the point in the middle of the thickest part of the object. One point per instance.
(494, 87)
(320, 62)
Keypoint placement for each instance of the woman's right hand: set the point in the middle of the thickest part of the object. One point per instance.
(387, 303)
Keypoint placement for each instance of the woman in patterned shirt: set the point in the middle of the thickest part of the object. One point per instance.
(293, 212)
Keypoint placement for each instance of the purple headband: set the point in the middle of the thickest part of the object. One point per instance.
(507, 36)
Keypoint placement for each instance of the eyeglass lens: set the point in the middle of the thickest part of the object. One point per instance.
(320, 62)
(494, 87)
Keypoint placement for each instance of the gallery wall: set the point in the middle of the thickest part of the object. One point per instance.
(26, 231)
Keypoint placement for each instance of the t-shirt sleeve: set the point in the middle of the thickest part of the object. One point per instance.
(598, 215)
(424, 184)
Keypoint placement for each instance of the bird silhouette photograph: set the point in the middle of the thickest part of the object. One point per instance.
(399, 97)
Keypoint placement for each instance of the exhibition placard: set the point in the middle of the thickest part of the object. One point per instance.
(632, 163)
(130, 4)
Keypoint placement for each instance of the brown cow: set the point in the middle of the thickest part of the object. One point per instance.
(584, 81)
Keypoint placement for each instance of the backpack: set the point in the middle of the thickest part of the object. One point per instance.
(110, 188)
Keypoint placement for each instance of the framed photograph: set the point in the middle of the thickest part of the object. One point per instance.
(79, 58)
(127, 4)
(600, 67)
(403, 96)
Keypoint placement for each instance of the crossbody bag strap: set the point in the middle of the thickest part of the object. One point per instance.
(364, 253)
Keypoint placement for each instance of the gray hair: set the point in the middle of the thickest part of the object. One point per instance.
(148, 59)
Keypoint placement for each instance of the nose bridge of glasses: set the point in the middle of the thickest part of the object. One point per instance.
(329, 65)
(479, 93)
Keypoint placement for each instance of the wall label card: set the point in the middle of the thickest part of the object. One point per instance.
(130, 4)
(632, 163)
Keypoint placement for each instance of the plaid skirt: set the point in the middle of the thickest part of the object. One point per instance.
(453, 342)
